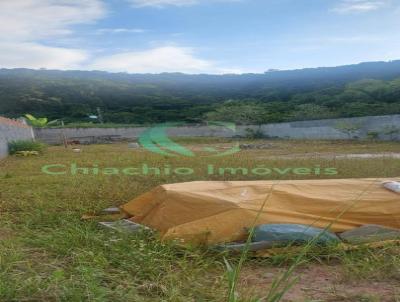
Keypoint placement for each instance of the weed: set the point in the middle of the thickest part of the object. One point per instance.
(25, 145)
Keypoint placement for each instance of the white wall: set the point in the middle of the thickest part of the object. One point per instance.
(11, 130)
(319, 129)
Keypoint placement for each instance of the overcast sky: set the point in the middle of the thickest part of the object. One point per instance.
(196, 36)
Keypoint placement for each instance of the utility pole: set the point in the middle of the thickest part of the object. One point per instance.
(100, 116)
(64, 137)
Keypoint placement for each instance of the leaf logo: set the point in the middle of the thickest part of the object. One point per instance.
(156, 140)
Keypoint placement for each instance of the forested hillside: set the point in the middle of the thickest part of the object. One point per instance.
(347, 91)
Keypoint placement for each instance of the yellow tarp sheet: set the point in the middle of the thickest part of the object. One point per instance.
(211, 212)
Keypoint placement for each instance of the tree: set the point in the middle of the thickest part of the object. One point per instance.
(373, 135)
(349, 129)
(240, 113)
(310, 112)
(259, 98)
(39, 122)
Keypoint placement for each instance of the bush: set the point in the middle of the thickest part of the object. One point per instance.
(25, 145)
(373, 135)
(254, 134)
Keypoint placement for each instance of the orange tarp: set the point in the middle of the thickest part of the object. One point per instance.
(213, 212)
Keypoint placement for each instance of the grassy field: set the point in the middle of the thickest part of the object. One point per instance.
(47, 253)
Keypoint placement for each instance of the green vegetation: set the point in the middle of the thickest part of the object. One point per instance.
(25, 145)
(47, 253)
(349, 129)
(39, 122)
(348, 91)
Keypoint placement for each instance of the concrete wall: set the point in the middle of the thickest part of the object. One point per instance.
(327, 129)
(90, 135)
(319, 129)
(11, 130)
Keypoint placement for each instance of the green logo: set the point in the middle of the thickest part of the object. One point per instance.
(156, 140)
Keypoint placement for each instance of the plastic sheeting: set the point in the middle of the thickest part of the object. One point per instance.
(293, 234)
(216, 212)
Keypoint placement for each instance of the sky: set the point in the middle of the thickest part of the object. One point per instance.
(196, 36)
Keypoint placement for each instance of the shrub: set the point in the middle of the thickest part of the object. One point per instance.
(349, 129)
(254, 134)
(25, 145)
(373, 135)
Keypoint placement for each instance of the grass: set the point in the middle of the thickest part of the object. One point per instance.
(25, 145)
(47, 253)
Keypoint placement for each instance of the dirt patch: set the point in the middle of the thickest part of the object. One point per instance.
(5, 234)
(318, 282)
